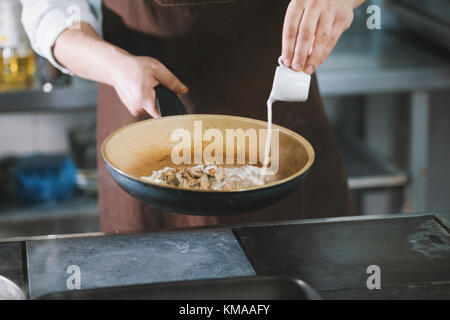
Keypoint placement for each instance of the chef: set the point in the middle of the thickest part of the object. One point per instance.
(219, 56)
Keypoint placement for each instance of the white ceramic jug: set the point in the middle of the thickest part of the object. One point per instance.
(289, 85)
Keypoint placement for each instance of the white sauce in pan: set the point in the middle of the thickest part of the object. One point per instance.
(208, 177)
(211, 177)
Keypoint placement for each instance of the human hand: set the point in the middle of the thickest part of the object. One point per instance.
(312, 29)
(135, 80)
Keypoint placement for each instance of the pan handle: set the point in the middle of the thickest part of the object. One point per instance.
(168, 102)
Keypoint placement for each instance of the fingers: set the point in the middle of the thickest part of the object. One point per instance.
(305, 37)
(168, 79)
(135, 87)
(291, 25)
(340, 25)
(321, 42)
(149, 104)
(140, 101)
(330, 45)
(161, 75)
(316, 26)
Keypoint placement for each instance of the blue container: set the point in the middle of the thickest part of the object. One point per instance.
(45, 178)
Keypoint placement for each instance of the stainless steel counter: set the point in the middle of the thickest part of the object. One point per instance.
(372, 62)
(382, 62)
(80, 94)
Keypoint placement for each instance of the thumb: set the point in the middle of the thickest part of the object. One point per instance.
(168, 79)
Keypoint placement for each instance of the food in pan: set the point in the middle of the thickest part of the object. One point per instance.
(211, 177)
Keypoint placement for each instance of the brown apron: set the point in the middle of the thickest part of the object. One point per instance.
(226, 52)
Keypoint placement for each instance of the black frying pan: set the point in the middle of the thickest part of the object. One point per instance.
(137, 149)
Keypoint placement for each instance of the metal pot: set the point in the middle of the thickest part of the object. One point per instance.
(9, 290)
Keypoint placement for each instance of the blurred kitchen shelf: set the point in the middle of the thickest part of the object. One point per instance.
(87, 181)
(371, 62)
(79, 94)
(78, 204)
(429, 21)
(368, 170)
(77, 215)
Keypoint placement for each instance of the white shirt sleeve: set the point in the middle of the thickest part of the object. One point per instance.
(44, 20)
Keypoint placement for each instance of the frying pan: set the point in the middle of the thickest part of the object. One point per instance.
(138, 149)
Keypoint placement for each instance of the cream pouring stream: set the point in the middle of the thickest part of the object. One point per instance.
(288, 85)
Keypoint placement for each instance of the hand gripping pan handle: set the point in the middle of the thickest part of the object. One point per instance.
(168, 102)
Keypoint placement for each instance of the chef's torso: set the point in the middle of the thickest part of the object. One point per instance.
(226, 52)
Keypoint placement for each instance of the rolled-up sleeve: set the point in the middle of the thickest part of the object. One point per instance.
(44, 20)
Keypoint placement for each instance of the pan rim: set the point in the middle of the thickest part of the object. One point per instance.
(308, 147)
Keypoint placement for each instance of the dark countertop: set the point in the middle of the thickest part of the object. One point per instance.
(334, 257)
(412, 251)
(135, 259)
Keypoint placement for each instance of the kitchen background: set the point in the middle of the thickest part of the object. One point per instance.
(386, 92)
